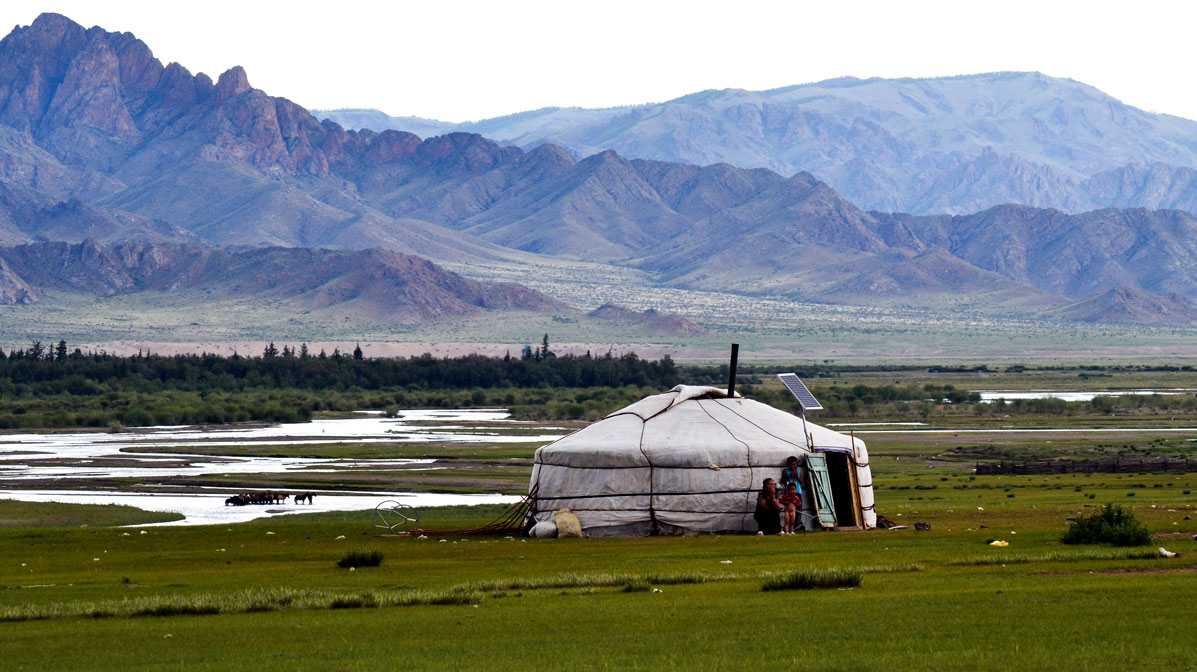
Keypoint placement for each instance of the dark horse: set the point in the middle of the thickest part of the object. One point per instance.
(299, 498)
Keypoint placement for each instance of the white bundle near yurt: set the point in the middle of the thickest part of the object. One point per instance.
(692, 460)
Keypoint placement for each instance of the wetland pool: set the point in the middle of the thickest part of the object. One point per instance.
(75, 459)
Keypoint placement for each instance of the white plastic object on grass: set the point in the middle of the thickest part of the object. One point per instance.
(1165, 553)
(545, 529)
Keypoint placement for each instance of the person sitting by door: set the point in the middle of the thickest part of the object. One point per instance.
(792, 503)
(767, 508)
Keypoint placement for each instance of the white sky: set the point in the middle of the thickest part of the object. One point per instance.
(459, 60)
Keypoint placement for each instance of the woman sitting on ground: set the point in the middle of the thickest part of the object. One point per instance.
(792, 502)
(767, 508)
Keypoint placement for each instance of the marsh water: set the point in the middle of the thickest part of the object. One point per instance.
(71, 460)
(990, 396)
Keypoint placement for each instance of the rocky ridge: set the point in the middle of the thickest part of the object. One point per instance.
(1126, 305)
(949, 145)
(662, 324)
(386, 286)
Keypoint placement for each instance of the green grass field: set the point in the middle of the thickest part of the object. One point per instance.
(269, 595)
(77, 592)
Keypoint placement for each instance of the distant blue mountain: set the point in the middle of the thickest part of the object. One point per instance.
(925, 146)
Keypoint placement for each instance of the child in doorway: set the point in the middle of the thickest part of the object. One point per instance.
(791, 502)
(791, 472)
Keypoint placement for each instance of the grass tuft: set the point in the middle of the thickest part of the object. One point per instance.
(362, 558)
(242, 602)
(636, 586)
(1056, 557)
(815, 578)
(362, 601)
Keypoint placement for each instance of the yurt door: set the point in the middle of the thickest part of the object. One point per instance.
(820, 483)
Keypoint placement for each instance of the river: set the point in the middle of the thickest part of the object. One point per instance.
(79, 457)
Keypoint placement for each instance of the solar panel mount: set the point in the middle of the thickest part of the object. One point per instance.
(796, 387)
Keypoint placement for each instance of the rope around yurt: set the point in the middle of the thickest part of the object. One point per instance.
(511, 521)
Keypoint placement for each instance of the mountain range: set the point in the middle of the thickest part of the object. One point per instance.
(950, 145)
(387, 286)
(100, 141)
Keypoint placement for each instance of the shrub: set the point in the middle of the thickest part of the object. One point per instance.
(1110, 525)
(818, 578)
(362, 558)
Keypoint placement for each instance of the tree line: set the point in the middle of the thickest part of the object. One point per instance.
(56, 386)
(52, 370)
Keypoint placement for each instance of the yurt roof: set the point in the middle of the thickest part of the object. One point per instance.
(690, 426)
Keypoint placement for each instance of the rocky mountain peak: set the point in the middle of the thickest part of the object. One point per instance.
(232, 82)
(50, 28)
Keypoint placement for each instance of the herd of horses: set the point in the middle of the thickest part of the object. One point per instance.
(267, 498)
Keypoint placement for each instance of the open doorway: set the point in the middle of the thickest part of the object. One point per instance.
(842, 474)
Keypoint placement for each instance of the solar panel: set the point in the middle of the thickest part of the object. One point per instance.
(796, 387)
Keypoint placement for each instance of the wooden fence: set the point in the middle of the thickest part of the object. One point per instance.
(1104, 465)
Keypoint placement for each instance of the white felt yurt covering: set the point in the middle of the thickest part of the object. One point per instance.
(691, 459)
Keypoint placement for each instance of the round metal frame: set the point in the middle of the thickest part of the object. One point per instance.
(396, 517)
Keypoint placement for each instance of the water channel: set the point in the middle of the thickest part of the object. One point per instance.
(991, 396)
(75, 458)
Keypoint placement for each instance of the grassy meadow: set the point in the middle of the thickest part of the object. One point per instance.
(269, 594)
(101, 587)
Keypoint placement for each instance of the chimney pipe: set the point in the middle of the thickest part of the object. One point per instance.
(731, 375)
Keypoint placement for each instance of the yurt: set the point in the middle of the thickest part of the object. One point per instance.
(692, 461)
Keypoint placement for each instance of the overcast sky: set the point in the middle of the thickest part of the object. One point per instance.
(461, 60)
